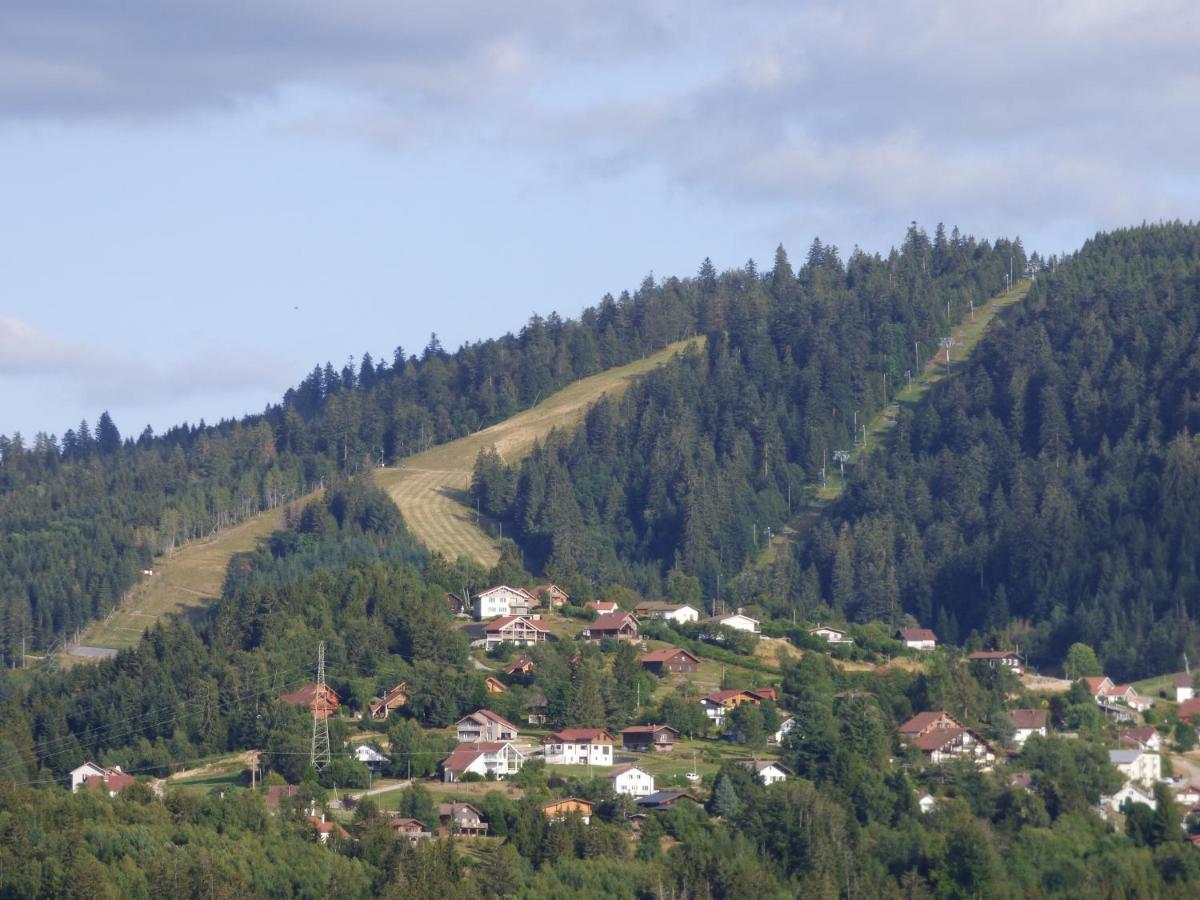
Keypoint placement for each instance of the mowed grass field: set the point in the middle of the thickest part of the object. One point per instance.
(431, 487)
(191, 577)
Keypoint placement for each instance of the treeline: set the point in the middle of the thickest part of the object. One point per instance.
(1046, 492)
(81, 517)
(689, 470)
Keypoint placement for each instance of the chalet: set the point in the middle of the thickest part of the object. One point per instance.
(412, 830)
(620, 626)
(1137, 765)
(579, 746)
(679, 613)
(485, 725)
(458, 606)
(370, 757)
(100, 778)
(322, 703)
(665, 799)
(632, 781)
(557, 810)
(555, 596)
(1142, 739)
(1106, 694)
(536, 708)
(1026, 723)
(1129, 793)
(738, 621)
(831, 635)
(602, 607)
(498, 758)
(521, 667)
(1189, 710)
(522, 631)
(461, 818)
(389, 702)
(1098, 686)
(644, 738)
(670, 659)
(924, 722)
(997, 659)
(917, 638)
(718, 703)
(765, 770)
(1184, 685)
(89, 770)
(944, 744)
(494, 685)
(501, 600)
(325, 827)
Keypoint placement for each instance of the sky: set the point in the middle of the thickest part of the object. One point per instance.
(201, 199)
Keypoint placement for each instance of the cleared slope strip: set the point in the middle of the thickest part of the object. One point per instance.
(431, 487)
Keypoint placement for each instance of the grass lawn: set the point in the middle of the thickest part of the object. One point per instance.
(431, 487)
(1150, 687)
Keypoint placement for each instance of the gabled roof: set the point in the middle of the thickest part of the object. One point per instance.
(937, 738)
(276, 793)
(1124, 757)
(994, 654)
(663, 799)
(404, 822)
(466, 753)
(621, 770)
(917, 634)
(110, 781)
(523, 663)
(733, 615)
(505, 587)
(490, 716)
(613, 621)
(1028, 718)
(451, 809)
(1139, 735)
(1188, 708)
(648, 729)
(602, 606)
(923, 721)
(759, 765)
(1095, 683)
(666, 653)
(1182, 679)
(553, 803)
(307, 695)
(504, 621)
(579, 736)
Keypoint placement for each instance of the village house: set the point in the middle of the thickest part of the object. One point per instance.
(670, 659)
(370, 757)
(645, 738)
(917, 638)
(521, 667)
(1107, 695)
(501, 600)
(1189, 710)
(412, 830)
(718, 703)
(389, 702)
(941, 737)
(1184, 685)
(632, 781)
(1098, 686)
(738, 621)
(325, 827)
(484, 725)
(110, 780)
(579, 746)
(521, 631)
(498, 758)
(458, 606)
(620, 626)
(831, 635)
(924, 722)
(678, 613)
(1142, 738)
(767, 771)
(927, 803)
(461, 819)
(662, 800)
(786, 726)
(554, 595)
(1185, 793)
(1028, 722)
(557, 810)
(322, 704)
(494, 685)
(1137, 765)
(997, 659)
(1129, 792)
(602, 607)
(536, 708)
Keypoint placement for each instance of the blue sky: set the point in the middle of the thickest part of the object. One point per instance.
(180, 177)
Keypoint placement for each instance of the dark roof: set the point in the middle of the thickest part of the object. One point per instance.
(923, 720)
(663, 799)
(1028, 718)
(917, 634)
(666, 653)
(613, 621)
(647, 729)
(579, 736)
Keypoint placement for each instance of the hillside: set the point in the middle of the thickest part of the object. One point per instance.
(431, 487)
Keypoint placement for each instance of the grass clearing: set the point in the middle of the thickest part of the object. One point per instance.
(431, 487)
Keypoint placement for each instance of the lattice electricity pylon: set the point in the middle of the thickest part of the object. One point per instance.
(320, 712)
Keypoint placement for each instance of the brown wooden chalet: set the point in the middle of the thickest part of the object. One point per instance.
(670, 659)
(521, 667)
(462, 819)
(389, 702)
(621, 626)
(322, 705)
(494, 685)
(645, 738)
(555, 595)
(557, 810)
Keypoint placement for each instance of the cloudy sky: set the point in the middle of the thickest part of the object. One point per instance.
(200, 199)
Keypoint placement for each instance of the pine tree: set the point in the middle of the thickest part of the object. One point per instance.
(108, 438)
(725, 802)
(587, 704)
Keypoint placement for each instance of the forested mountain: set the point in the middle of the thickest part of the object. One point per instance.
(1048, 489)
(80, 517)
(689, 469)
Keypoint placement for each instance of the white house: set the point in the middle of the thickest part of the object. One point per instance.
(767, 771)
(520, 631)
(86, 771)
(738, 620)
(485, 725)
(679, 613)
(579, 746)
(785, 728)
(927, 803)
(917, 638)
(369, 756)
(110, 780)
(1184, 689)
(831, 635)
(633, 781)
(1026, 723)
(1129, 791)
(499, 758)
(1137, 765)
(501, 600)
(1142, 738)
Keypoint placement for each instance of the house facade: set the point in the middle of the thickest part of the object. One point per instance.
(1142, 738)
(917, 638)
(389, 702)
(557, 810)
(647, 738)
(738, 621)
(370, 757)
(579, 746)
(632, 781)
(412, 830)
(717, 704)
(941, 745)
(620, 626)
(767, 771)
(485, 725)
(501, 600)
(554, 595)
(521, 631)
(100, 778)
(997, 659)
(1137, 765)
(831, 635)
(678, 613)
(484, 758)
(462, 819)
(1184, 685)
(1028, 722)
(670, 659)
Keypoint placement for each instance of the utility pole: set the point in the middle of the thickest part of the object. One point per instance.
(320, 733)
(917, 354)
(840, 456)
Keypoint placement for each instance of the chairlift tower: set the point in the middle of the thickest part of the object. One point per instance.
(946, 343)
(840, 457)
